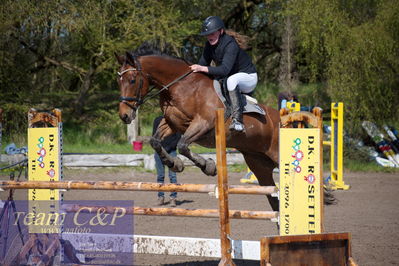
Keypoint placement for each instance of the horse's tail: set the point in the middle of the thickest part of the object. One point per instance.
(241, 39)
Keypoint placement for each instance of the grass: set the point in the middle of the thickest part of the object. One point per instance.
(103, 148)
(361, 166)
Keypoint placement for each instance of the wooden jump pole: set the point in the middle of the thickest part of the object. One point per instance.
(204, 213)
(134, 186)
(225, 243)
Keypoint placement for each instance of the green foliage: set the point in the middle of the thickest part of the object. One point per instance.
(237, 168)
(266, 93)
(314, 94)
(61, 54)
(317, 22)
(364, 68)
(15, 124)
(353, 47)
(106, 130)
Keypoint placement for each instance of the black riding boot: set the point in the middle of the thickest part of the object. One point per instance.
(236, 106)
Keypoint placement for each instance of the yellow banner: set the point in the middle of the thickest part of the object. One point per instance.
(44, 165)
(300, 177)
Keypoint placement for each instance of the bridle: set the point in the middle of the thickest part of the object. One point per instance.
(139, 100)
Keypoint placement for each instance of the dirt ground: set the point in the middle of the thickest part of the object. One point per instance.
(369, 211)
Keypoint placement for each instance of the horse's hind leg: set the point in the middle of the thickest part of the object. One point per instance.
(262, 166)
(195, 131)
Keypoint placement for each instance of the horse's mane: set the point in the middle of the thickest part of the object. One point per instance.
(148, 48)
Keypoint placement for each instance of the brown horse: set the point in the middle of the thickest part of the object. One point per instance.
(188, 102)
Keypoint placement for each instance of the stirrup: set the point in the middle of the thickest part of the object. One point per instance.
(236, 125)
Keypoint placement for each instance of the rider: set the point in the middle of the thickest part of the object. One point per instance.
(231, 62)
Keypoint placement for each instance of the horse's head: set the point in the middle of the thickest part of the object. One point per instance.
(133, 84)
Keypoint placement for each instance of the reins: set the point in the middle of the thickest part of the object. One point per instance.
(165, 87)
(139, 101)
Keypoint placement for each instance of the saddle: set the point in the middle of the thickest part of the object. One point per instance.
(250, 104)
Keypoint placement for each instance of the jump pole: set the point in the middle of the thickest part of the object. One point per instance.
(203, 213)
(136, 186)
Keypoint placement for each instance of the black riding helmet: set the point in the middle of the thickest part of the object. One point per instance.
(211, 24)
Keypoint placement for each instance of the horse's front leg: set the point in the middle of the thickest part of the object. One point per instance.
(174, 163)
(196, 130)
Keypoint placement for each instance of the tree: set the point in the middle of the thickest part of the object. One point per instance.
(67, 47)
(61, 53)
(352, 47)
(364, 70)
(288, 77)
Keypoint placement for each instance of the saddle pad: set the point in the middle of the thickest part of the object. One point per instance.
(250, 103)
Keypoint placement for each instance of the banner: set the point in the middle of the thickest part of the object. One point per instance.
(44, 165)
(300, 177)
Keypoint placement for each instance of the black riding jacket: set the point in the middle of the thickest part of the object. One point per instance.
(228, 56)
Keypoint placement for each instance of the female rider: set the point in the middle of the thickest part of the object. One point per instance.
(231, 62)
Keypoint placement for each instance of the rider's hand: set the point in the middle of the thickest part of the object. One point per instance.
(199, 68)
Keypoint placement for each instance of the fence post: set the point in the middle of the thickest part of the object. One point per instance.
(223, 190)
(337, 153)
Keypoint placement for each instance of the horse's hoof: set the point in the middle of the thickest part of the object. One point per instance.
(178, 165)
(210, 168)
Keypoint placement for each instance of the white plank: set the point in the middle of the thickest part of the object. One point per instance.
(102, 160)
(146, 244)
(107, 160)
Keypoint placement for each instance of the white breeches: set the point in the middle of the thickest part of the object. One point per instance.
(245, 82)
